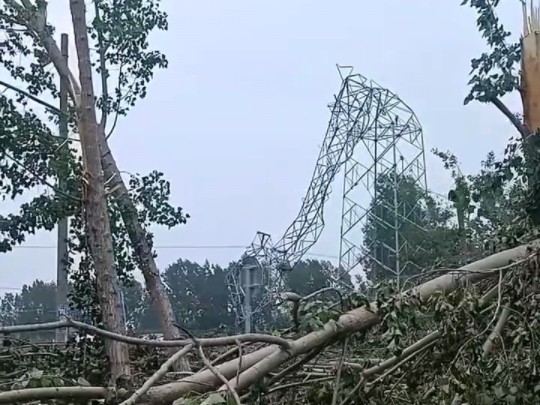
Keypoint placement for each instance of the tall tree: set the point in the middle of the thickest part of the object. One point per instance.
(8, 309)
(425, 235)
(199, 294)
(309, 276)
(93, 202)
(122, 44)
(35, 303)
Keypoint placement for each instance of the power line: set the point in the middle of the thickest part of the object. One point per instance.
(155, 247)
(178, 247)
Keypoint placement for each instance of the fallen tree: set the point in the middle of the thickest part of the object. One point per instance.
(251, 368)
(261, 363)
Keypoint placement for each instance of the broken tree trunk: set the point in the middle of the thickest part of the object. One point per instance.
(141, 246)
(267, 360)
(94, 202)
(530, 68)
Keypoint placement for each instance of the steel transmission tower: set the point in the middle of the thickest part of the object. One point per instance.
(373, 135)
(387, 164)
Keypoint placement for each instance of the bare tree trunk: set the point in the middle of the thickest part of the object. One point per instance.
(142, 248)
(530, 68)
(94, 202)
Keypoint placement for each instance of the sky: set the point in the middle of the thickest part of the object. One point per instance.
(237, 120)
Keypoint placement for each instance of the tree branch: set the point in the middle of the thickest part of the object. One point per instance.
(104, 74)
(221, 377)
(521, 128)
(391, 365)
(299, 384)
(54, 109)
(37, 394)
(319, 292)
(43, 181)
(37, 25)
(497, 332)
(157, 375)
(228, 353)
(220, 341)
(337, 383)
(421, 344)
(295, 366)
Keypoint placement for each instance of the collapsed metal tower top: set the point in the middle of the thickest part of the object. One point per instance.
(362, 114)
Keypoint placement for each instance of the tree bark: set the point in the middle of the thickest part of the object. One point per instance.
(141, 245)
(270, 358)
(94, 201)
(530, 68)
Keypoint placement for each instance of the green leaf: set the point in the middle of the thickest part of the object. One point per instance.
(213, 399)
(36, 374)
(510, 399)
(82, 382)
(498, 391)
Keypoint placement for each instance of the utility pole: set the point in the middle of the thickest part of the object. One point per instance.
(251, 278)
(397, 245)
(62, 248)
(247, 302)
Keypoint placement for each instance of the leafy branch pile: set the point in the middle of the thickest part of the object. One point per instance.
(462, 334)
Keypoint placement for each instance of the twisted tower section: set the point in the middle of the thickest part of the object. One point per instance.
(362, 113)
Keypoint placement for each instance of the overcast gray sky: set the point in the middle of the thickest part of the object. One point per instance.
(237, 120)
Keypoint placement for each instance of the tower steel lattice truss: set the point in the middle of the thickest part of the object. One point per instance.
(371, 133)
(386, 147)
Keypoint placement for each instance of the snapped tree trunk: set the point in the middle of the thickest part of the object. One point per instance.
(530, 68)
(94, 202)
(141, 245)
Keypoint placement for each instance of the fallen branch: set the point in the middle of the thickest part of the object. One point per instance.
(41, 394)
(392, 365)
(414, 348)
(204, 380)
(221, 377)
(228, 353)
(295, 366)
(240, 355)
(294, 297)
(401, 363)
(157, 375)
(497, 332)
(299, 384)
(219, 341)
(337, 383)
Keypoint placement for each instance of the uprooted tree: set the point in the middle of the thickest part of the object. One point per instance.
(468, 334)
